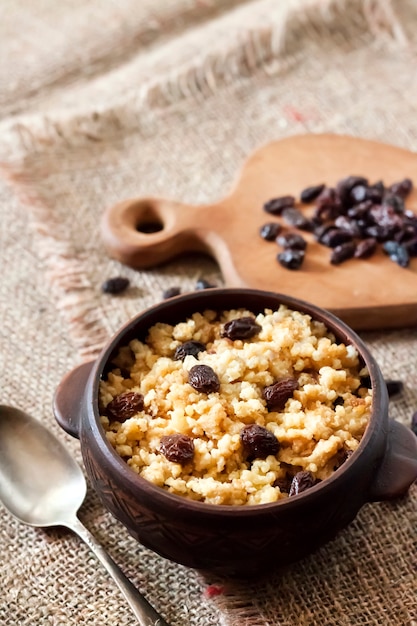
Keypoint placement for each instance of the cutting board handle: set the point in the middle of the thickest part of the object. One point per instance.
(145, 232)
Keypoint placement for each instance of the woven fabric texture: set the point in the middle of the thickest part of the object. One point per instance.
(102, 101)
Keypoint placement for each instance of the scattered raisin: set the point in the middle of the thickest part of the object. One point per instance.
(343, 252)
(203, 378)
(188, 347)
(294, 217)
(202, 283)
(394, 387)
(115, 285)
(329, 198)
(407, 233)
(277, 205)
(291, 258)
(258, 442)
(397, 253)
(292, 240)
(342, 456)
(411, 247)
(310, 193)
(177, 448)
(402, 188)
(396, 203)
(277, 394)
(171, 292)
(302, 480)
(366, 382)
(241, 328)
(335, 237)
(124, 406)
(365, 248)
(349, 225)
(283, 484)
(358, 194)
(270, 231)
(345, 186)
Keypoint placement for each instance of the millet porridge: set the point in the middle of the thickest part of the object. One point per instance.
(236, 408)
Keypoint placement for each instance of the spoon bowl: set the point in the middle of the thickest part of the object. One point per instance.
(41, 485)
(41, 493)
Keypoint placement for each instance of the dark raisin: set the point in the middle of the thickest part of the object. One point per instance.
(341, 457)
(202, 283)
(376, 232)
(411, 247)
(124, 373)
(277, 205)
(345, 186)
(291, 259)
(277, 394)
(115, 285)
(402, 188)
(348, 225)
(375, 192)
(302, 480)
(283, 484)
(171, 292)
(396, 203)
(177, 448)
(358, 194)
(366, 382)
(335, 237)
(342, 253)
(310, 193)
(365, 248)
(386, 217)
(203, 378)
(124, 406)
(414, 423)
(321, 230)
(394, 387)
(410, 217)
(241, 328)
(407, 233)
(294, 217)
(328, 197)
(270, 231)
(258, 442)
(397, 253)
(188, 347)
(292, 240)
(360, 211)
(325, 213)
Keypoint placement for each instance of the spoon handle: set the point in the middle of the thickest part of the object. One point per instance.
(145, 613)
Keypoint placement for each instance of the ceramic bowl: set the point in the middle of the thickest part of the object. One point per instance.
(235, 540)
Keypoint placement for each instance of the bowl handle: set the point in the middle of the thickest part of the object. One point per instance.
(69, 398)
(399, 466)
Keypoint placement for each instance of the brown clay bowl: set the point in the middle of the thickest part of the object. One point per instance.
(235, 540)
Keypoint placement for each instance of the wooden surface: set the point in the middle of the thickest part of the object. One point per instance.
(367, 294)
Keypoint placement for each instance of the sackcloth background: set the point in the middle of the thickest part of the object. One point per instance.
(102, 100)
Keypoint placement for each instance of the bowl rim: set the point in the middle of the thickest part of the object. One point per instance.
(126, 476)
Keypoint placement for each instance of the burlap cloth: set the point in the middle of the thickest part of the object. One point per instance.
(101, 101)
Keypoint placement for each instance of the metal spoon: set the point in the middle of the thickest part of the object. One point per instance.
(42, 485)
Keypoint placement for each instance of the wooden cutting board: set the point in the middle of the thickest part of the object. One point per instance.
(367, 294)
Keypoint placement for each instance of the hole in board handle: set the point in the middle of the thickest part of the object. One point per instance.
(148, 221)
